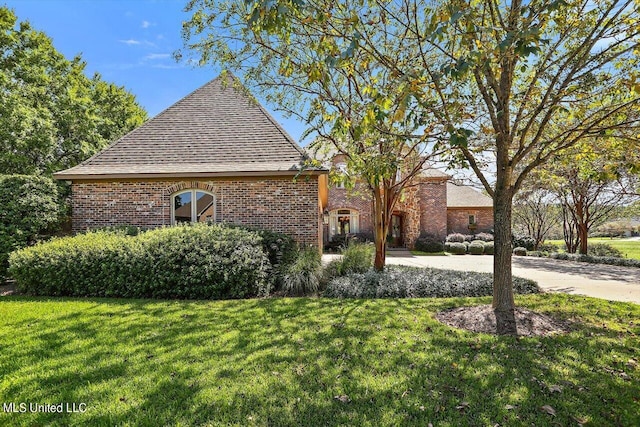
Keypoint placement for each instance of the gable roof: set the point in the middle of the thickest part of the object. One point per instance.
(217, 130)
(463, 196)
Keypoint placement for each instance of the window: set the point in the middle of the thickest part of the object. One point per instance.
(343, 221)
(342, 170)
(192, 206)
(472, 220)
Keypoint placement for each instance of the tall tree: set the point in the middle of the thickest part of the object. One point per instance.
(359, 107)
(591, 181)
(535, 212)
(52, 116)
(543, 75)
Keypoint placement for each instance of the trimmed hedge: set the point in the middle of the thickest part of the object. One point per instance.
(520, 251)
(428, 244)
(413, 282)
(456, 248)
(193, 261)
(476, 247)
(29, 206)
(621, 262)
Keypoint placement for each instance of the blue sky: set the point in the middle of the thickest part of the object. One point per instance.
(130, 43)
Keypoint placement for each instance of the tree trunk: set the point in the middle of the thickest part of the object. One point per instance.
(583, 232)
(503, 302)
(380, 231)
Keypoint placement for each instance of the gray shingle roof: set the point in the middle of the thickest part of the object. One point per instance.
(462, 196)
(217, 129)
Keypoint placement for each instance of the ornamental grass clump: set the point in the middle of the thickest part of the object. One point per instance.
(186, 262)
(357, 258)
(304, 274)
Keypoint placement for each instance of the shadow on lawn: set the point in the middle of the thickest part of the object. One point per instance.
(317, 362)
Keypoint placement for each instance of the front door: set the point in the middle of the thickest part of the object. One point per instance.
(396, 231)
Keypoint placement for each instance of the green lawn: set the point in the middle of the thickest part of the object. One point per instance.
(282, 362)
(630, 248)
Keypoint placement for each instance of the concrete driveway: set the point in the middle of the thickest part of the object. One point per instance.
(594, 280)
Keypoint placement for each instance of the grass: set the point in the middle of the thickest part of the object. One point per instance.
(314, 362)
(630, 248)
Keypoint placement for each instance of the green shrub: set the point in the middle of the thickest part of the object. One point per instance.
(488, 248)
(548, 247)
(429, 244)
(476, 247)
(330, 271)
(455, 238)
(485, 237)
(520, 251)
(523, 241)
(357, 258)
(603, 250)
(196, 262)
(457, 248)
(303, 275)
(29, 206)
(412, 282)
(281, 251)
(622, 262)
(127, 230)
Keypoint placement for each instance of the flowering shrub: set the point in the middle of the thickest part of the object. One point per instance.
(413, 282)
(485, 237)
(455, 237)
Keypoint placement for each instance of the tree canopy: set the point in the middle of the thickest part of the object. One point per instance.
(512, 84)
(52, 116)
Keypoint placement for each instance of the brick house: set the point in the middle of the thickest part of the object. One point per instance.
(216, 155)
(431, 206)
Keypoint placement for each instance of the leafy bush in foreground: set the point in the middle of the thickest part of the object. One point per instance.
(198, 261)
(303, 275)
(414, 282)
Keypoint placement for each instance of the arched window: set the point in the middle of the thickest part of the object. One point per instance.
(343, 221)
(342, 170)
(192, 206)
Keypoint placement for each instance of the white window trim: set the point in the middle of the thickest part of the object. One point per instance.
(354, 221)
(194, 204)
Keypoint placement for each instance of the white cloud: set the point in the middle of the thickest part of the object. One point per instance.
(145, 24)
(130, 42)
(153, 56)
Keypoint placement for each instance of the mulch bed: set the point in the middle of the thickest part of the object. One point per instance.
(480, 318)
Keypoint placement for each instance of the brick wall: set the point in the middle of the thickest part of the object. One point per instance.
(458, 220)
(433, 202)
(358, 199)
(275, 203)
